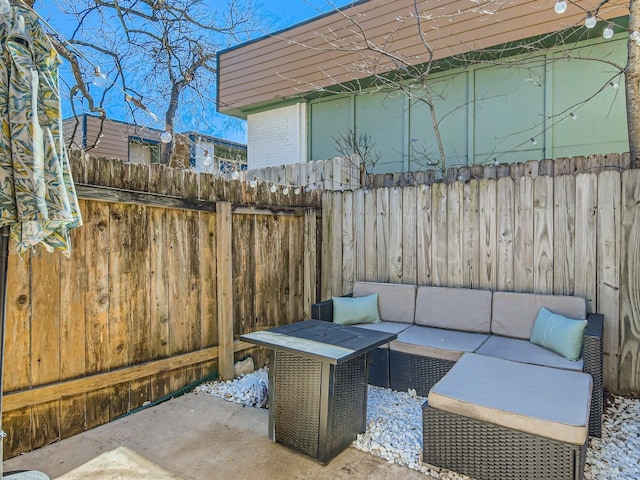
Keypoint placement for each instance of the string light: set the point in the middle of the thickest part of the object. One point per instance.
(297, 191)
(273, 189)
(534, 141)
(207, 160)
(285, 191)
(253, 184)
(591, 20)
(165, 137)
(99, 78)
(614, 85)
(608, 32)
(573, 116)
(560, 7)
(235, 175)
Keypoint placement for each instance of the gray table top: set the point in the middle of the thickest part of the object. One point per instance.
(322, 340)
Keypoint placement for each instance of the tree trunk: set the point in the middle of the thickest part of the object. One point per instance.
(632, 84)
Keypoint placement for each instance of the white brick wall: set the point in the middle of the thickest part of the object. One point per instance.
(277, 137)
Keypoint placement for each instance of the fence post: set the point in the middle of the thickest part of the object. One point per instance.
(224, 271)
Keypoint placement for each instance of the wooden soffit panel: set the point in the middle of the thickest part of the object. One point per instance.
(376, 36)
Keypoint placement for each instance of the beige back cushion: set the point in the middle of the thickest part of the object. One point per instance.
(454, 308)
(396, 302)
(515, 313)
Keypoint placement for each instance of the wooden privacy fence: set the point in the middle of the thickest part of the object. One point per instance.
(169, 268)
(569, 227)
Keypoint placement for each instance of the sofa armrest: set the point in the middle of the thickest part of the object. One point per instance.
(592, 357)
(324, 310)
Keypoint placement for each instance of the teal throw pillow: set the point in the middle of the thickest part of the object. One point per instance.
(355, 310)
(558, 333)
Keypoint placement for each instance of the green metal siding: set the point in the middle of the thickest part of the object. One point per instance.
(329, 118)
(507, 113)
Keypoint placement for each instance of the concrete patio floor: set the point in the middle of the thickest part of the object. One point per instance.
(201, 437)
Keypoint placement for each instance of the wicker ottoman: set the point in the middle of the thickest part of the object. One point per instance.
(496, 419)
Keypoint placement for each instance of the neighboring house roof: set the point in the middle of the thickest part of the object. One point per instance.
(331, 49)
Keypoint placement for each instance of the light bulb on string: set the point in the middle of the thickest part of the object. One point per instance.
(165, 137)
(634, 36)
(253, 184)
(614, 85)
(99, 78)
(207, 160)
(273, 189)
(297, 191)
(285, 191)
(560, 7)
(235, 175)
(534, 141)
(608, 32)
(573, 116)
(591, 20)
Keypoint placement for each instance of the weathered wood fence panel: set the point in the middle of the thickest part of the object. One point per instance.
(157, 290)
(570, 228)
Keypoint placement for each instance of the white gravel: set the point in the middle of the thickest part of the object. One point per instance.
(394, 429)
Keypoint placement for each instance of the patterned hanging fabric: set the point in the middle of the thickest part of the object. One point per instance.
(37, 195)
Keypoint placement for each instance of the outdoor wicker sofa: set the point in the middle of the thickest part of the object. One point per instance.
(437, 327)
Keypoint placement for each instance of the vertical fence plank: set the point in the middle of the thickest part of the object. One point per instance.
(120, 284)
(370, 228)
(608, 273)
(396, 249)
(488, 242)
(17, 350)
(505, 233)
(471, 235)
(244, 280)
(139, 299)
(382, 233)
(97, 301)
(327, 248)
(224, 270)
(455, 237)
(159, 284)
(359, 234)
(523, 240)
(629, 369)
(348, 242)
(336, 244)
(564, 220)
(72, 330)
(586, 238)
(543, 234)
(409, 235)
(425, 232)
(310, 262)
(439, 234)
(208, 280)
(45, 341)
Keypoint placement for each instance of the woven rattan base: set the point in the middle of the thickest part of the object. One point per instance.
(378, 364)
(486, 451)
(316, 407)
(415, 371)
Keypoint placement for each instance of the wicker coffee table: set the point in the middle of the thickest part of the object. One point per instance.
(317, 384)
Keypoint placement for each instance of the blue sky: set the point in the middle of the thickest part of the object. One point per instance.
(278, 13)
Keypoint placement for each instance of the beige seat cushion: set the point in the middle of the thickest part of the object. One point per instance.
(543, 401)
(386, 327)
(396, 302)
(524, 351)
(462, 309)
(515, 313)
(437, 342)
